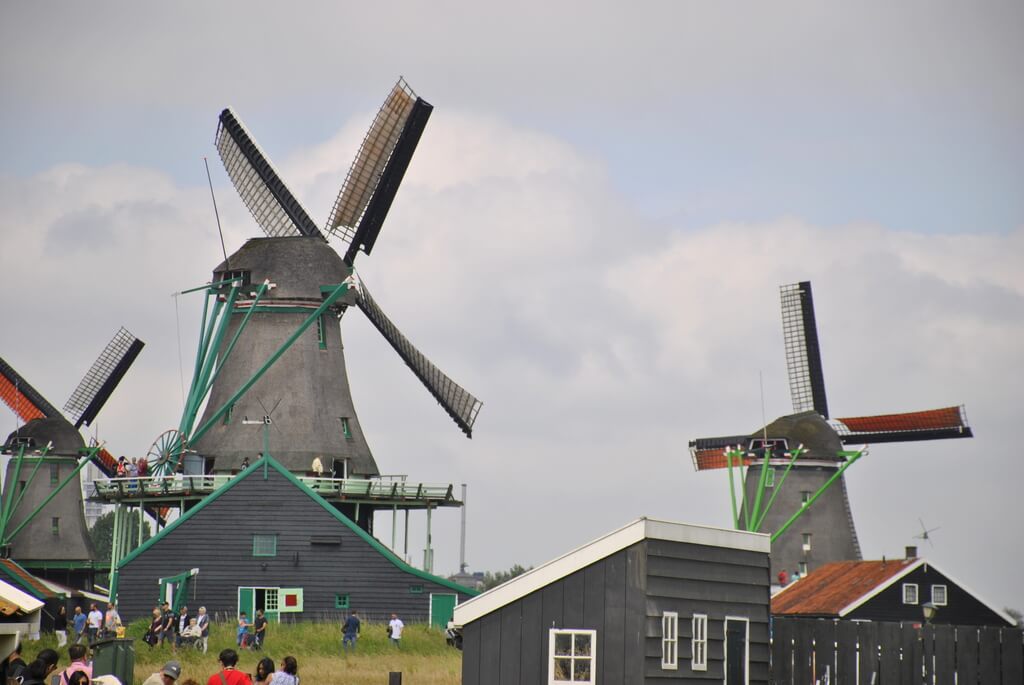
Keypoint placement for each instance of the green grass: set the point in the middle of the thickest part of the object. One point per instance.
(424, 658)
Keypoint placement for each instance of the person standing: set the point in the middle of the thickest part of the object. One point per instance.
(203, 621)
(228, 674)
(395, 627)
(167, 625)
(95, 622)
(60, 626)
(78, 622)
(111, 620)
(242, 637)
(259, 627)
(350, 632)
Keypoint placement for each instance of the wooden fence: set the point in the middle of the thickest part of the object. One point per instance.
(823, 651)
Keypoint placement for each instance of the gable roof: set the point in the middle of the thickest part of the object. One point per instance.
(12, 572)
(264, 464)
(604, 546)
(838, 588)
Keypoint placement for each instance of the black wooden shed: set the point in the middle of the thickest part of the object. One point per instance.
(266, 541)
(654, 601)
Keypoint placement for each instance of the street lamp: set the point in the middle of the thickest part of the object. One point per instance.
(929, 609)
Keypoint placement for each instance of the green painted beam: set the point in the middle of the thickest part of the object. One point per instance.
(839, 472)
(340, 290)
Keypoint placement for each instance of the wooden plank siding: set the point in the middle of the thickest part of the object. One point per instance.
(697, 579)
(218, 540)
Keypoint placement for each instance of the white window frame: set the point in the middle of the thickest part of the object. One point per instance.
(806, 539)
(909, 588)
(552, 633)
(670, 641)
(699, 642)
(945, 595)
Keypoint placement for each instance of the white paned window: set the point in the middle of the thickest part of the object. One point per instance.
(571, 656)
(670, 640)
(699, 643)
(939, 595)
(910, 593)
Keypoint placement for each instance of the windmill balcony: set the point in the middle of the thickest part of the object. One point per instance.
(380, 491)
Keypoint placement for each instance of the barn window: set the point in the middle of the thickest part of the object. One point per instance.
(341, 601)
(416, 589)
(264, 545)
(805, 497)
(346, 429)
(801, 568)
(54, 475)
(910, 593)
(699, 643)
(807, 542)
(55, 525)
(670, 640)
(572, 654)
(939, 595)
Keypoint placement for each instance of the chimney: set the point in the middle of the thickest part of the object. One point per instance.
(911, 552)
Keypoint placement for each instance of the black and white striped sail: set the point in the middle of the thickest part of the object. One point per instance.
(460, 404)
(269, 200)
(106, 372)
(803, 354)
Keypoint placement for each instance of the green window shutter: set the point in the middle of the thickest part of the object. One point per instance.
(321, 336)
(341, 601)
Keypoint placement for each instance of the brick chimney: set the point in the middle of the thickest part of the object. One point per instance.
(911, 552)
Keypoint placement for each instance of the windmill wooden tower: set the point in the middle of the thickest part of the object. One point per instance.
(271, 350)
(791, 480)
(42, 520)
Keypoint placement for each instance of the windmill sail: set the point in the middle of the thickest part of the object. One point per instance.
(377, 171)
(933, 424)
(21, 397)
(106, 372)
(269, 201)
(803, 354)
(458, 402)
(709, 453)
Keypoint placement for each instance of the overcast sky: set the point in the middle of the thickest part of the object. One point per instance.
(590, 238)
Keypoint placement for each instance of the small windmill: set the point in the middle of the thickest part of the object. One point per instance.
(926, 533)
(271, 319)
(799, 460)
(37, 526)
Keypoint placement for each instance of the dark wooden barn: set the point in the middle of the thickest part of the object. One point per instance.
(652, 602)
(267, 541)
(886, 590)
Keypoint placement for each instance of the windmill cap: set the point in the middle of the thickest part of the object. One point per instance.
(172, 669)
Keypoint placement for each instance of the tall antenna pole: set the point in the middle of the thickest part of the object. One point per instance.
(462, 539)
(217, 215)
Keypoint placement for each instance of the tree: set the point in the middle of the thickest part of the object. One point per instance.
(102, 534)
(495, 579)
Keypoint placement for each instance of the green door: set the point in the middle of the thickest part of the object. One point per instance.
(246, 602)
(442, 608)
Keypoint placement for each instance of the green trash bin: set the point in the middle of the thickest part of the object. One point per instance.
(115, 656)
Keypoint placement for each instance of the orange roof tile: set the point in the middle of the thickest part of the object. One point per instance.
(19, 575)
(828, 590)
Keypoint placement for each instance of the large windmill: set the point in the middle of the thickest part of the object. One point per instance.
(42, 520)
(791, 471)
(271, 348)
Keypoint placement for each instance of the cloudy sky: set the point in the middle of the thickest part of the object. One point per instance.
(590, 238)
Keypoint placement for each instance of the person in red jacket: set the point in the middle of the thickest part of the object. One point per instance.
(228, 674)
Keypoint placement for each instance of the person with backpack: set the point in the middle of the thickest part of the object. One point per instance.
(78, 663)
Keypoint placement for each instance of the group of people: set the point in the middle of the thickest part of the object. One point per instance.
(13, 669)
(178, 628)
(251, 635)
(136, 468)
(351, 627)
(286, 673)
(79, 671)
(88, 627)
